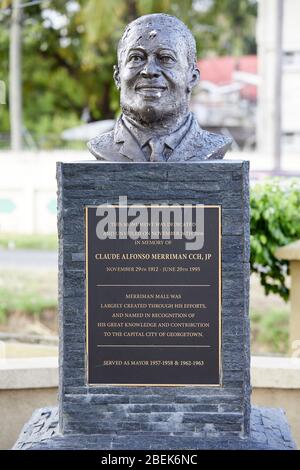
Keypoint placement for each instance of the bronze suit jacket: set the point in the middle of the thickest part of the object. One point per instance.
(119, 145)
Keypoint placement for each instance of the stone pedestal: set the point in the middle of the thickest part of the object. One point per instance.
(155, 417)
(268, 431)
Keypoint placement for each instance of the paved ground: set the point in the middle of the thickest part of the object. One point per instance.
(28, 259)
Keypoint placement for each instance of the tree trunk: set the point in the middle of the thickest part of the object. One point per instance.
(132, 12)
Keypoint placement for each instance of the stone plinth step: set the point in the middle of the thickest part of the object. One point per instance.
(269, 430)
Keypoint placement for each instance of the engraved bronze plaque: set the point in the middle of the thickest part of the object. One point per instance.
(153, 307)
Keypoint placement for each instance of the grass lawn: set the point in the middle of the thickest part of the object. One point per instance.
(28, 296)
(28, 242)
(269, 317)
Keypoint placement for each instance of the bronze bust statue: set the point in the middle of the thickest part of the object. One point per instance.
(156, 72)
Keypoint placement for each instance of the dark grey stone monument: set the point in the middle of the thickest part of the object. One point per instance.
(126, 379)
(155, 417)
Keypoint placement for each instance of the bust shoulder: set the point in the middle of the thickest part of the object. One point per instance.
(200, 144)
(102, 146)
(216, 145)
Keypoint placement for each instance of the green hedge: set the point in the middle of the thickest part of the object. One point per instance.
(275, 222)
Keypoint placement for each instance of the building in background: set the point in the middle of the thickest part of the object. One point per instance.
(225, 100)
(278, 40)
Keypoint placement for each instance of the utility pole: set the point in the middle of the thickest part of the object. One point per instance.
(15, 80)
(269, 111)
(278, 86)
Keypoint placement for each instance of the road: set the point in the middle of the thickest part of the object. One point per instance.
(28, 259)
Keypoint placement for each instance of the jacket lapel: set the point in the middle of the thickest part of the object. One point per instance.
(129, 146)
(186, 148)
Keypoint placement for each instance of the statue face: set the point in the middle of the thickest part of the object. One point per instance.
(154, 77)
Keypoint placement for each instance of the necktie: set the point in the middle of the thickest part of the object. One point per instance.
(156, 145)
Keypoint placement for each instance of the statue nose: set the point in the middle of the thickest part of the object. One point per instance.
(150, 70)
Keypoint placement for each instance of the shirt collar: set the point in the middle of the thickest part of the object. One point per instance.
(143, 135)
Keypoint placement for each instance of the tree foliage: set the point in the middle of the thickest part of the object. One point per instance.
(68, 51)
(275, 222)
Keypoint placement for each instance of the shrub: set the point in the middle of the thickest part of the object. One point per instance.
(270, 332)
(275, 222)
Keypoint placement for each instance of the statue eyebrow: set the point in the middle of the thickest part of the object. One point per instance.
(161, 49)
(139, 49)
(167, 49)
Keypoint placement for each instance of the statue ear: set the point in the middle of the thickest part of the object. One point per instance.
(117, 76)
(194, 78)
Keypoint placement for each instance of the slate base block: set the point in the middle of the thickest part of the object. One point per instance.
(269, 430)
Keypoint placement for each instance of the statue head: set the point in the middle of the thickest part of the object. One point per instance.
(156, 69)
